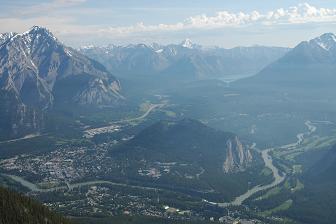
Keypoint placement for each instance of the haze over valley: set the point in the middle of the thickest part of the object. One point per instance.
(157, 124)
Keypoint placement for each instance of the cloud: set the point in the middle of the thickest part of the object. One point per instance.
(65, 19)
(300, 14)
(46, 7)
(69, 1)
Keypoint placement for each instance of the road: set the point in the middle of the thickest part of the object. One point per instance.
(112, 124)
(152, 107)
(23, 138)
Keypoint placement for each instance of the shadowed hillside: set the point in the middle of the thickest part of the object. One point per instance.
(16, 208)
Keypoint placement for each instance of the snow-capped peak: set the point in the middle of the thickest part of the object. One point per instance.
(87, 47)
(326, 41)
(32, 39)
(37, 28)
(38, 31)
(6, 36)
(187, 43)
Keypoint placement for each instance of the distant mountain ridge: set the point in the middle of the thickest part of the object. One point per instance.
(184, 60)
(310, 62)
(37, 72)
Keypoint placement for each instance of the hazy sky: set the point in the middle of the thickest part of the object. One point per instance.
(225, 23)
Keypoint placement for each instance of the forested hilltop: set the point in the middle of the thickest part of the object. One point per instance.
(16, 209)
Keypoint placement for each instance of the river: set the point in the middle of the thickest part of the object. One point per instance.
(265, 154)
(278, 179)
(33, 187)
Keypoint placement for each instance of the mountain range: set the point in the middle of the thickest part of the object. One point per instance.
(38, 72)
(185, 61)
(309, 63)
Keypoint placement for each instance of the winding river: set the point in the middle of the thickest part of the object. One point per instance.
(33, 187)
(278, 179)
(236, 202)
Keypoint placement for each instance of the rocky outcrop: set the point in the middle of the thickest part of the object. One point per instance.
(238, 158)
(99, 93)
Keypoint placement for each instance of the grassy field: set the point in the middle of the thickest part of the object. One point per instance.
(284, 206)
(270, 193)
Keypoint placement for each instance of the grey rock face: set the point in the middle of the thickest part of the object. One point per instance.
(36, 71)
(6, 36)
(238, 158)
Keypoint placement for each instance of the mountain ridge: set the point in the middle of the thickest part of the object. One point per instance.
(306, 63)
(173, 60)
(194, 136)
(196, 158)
(38, 72)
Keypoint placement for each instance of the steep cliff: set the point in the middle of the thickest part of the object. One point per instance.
(238, 157)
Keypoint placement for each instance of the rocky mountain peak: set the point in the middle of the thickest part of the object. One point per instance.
(36, 32)
(328, 37)
(38, 72)
(38, 29)
(187, 43)
(30, 45)
(327, 41)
